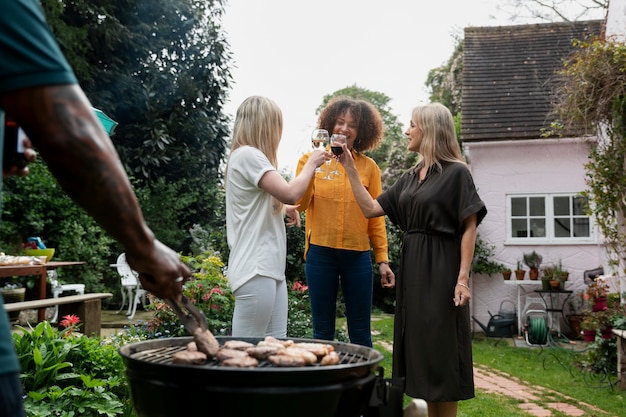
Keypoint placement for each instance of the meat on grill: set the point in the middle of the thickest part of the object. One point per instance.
(238, 344)
(282, 353)
(226, 353)
(263, 352)
(206, 342)
(189, 357)
(241, 362)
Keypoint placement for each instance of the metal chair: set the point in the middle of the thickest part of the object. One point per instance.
(131, 287)
(58, 289)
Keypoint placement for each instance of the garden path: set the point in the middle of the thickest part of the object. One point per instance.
(535, 400)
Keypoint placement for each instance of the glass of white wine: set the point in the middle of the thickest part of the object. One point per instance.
(319, 140)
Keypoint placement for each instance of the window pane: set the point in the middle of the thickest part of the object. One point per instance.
(582, 228)
(561, 206)
(518, 228)
(537, 228)
(518, 206)
(562, 227)
(537, 206)
(580, 206)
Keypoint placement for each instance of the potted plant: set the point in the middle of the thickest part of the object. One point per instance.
(605, 323)
(547, 274)
(589, 326)
(519, 272)
(533, 261)
(561, 273)
(506, 273)
(596, 293)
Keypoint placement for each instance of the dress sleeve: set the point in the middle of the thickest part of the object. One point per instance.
(470, 200)
(388, 200)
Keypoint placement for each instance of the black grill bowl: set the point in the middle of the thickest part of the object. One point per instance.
(160, 388)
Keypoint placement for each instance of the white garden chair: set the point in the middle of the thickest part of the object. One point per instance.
(131, 287)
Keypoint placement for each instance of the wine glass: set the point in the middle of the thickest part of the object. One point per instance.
(319, 140)
(335, 146)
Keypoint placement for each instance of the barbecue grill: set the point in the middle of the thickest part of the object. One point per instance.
(160, 388)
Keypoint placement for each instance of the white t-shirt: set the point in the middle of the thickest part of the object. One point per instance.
(255, 224)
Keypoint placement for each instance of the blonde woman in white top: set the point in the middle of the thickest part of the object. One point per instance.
(257, 200)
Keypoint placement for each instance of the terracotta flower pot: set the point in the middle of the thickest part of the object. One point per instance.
(533, 274)
(520, 274)
(506, 275)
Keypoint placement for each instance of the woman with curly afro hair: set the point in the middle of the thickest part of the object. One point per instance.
(338, 236)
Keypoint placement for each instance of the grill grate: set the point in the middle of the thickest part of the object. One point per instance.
(163, 356)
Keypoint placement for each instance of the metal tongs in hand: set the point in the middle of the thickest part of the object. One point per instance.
(193, 319)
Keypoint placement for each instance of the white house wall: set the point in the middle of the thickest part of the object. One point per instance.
(530, 166)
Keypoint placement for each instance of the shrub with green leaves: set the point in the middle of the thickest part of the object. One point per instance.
(208, 290)
(68, 374)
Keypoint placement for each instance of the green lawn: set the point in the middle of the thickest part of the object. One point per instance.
(552, 368)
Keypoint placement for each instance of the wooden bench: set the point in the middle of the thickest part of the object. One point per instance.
(86, 306)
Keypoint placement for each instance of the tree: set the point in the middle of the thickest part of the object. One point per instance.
(591, 96)
(160, 69)
(553, 10)
(445, 82)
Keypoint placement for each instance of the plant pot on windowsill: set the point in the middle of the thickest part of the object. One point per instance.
(533, 273)
(555, 284)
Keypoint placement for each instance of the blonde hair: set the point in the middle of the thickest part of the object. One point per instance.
(258, 123)
(439, 142)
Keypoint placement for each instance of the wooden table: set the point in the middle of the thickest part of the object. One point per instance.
(41, 270)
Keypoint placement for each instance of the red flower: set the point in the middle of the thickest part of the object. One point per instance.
(298, 286)
(70, 320)
(216, 290)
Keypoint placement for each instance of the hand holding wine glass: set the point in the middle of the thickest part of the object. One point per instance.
(336, 142)
(319, 140)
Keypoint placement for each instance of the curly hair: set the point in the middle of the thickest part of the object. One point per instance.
(368, 118)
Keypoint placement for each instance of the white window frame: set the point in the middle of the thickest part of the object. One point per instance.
(549, 217)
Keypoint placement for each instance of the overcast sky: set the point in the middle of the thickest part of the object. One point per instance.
(297, 52)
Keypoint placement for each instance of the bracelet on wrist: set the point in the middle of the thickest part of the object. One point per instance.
(462, 285)
(383, 262)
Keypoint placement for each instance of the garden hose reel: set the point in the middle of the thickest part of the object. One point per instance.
(537, 327)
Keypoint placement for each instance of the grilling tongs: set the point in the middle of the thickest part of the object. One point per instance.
(193, 319)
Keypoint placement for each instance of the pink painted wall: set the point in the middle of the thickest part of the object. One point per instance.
(532, 166)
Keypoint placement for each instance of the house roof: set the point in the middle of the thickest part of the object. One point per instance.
(507, 72)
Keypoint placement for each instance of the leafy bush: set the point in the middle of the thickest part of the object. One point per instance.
(36, 205)
(69, 373)
(208, 290)
(299, 321)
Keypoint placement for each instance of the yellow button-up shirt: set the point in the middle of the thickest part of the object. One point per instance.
(333, 217)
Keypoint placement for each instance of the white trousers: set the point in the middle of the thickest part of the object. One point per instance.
(261, 308)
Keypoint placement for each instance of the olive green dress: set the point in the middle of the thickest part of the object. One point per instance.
(432, 341)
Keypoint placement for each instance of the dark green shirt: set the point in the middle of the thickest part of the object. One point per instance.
(29, 57)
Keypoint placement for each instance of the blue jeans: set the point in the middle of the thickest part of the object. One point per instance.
(326, 269)
(11, 402)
